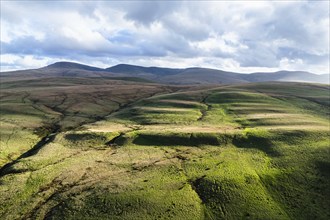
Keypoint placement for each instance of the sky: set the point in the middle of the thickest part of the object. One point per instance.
(239, 36)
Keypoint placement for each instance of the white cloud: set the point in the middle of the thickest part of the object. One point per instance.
(291, 64)
(235, 35)
(217, 45)
(14, 62)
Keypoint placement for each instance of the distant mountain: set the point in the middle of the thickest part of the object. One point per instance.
(71, 65)
(165, 75)
(288, 76)
(204, 76)
(132, 69)
(178, 76)
(59, 69)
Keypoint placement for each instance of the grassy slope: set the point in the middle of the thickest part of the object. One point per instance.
(31, 109)
(258, 151)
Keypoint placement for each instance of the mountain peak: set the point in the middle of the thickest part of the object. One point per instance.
(72, 65)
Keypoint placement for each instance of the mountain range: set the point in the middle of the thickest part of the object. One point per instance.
(193, 75)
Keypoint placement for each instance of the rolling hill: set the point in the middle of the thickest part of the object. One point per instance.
(209, 76)
(102, 148)
(70, 65)
(164, 75)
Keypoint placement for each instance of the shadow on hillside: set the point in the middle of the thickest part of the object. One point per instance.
(324, 168)
(194, 139)
(260, 143)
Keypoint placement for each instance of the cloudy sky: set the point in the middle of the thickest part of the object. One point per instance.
(234, 36)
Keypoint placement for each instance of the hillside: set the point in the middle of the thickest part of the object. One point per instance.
(114, 149)
(213, 76)
(163, 75)
(70, 65)
(204, 76)
(132, 69)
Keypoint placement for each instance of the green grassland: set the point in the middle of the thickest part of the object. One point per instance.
(136, 150)
(32, 109)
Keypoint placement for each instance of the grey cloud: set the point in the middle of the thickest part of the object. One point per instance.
(308, 58)
(123, 36)
(59, 46)
(180, 24)
(194, 32)
(257, 55)
(298, 23)
(147, 12)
